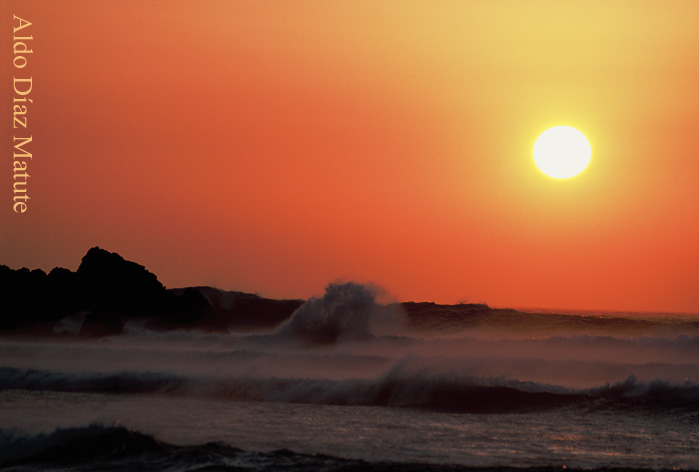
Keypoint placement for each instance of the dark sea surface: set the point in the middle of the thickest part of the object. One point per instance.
(345, 387)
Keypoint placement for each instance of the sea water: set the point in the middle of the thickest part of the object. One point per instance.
(564, 437)
(589, 393)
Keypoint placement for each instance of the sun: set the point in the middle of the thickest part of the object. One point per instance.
(562, 152)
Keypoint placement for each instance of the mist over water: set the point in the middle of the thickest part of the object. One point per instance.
(347, 335)
(346, 350)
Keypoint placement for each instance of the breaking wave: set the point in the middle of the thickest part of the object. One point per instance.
(400, 387)
(346, 312)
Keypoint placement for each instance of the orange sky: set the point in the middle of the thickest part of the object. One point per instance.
(276, 146)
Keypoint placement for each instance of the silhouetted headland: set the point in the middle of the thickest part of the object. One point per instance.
(108, 292)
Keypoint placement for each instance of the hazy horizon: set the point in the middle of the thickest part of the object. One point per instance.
(384, 297)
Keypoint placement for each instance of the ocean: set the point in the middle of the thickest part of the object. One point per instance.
(347, 384)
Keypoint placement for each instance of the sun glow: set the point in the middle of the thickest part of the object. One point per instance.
(562, 152)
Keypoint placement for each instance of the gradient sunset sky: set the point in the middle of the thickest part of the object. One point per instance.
(277, 146)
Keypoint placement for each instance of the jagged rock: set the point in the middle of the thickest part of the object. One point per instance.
(108, 291)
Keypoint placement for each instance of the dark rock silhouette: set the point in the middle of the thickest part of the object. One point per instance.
(113, 290)
(111, 284)
(241, 311)
(25, 299)
(109, 291)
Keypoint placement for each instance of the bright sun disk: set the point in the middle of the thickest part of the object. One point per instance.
(562, 152)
